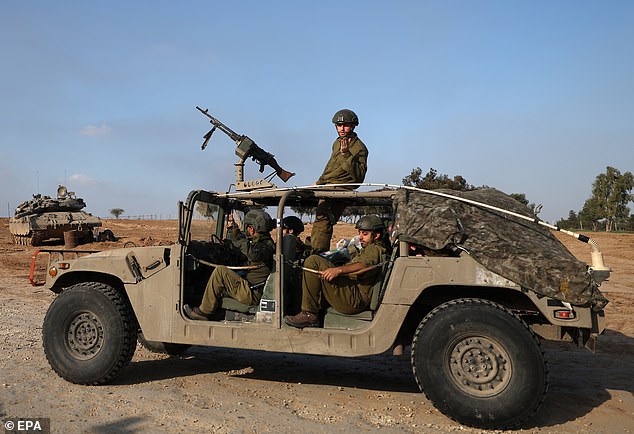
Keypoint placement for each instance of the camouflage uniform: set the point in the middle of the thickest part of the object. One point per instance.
(225, 282)
(348, 168)
(347, 294)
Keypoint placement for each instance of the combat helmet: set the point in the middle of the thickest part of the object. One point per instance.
(260, 220)
(345, 116)
(294, 223)
(370, 223)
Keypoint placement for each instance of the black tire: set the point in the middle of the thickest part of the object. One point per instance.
(162, 347)
(106, 235)
(89, 333)
(479, 364)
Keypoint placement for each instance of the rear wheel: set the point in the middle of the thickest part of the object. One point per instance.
(89, 333)
(479, 364)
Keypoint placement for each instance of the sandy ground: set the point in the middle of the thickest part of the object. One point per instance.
(225, 390)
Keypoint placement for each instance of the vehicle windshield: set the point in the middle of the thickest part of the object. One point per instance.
(204, 221)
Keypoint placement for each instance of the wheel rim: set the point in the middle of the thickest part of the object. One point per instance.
(84, 336)
(479, 366)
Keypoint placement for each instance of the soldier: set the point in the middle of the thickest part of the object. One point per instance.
(292, 227)
(338, 286)
(294, 250)
(259, 249)
(348, 164)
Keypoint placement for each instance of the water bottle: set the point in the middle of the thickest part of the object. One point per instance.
(342, 243)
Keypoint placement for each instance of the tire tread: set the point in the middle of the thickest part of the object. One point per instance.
(482, 302)
(129, 331)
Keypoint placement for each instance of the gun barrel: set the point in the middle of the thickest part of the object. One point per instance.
(222, 127)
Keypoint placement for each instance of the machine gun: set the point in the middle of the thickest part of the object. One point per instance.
(247, 148)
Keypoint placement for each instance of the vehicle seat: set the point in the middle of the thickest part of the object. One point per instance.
(267, 287)
(229, 303)
(337, 320)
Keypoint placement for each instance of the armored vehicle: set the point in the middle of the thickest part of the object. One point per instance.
(43, 218)
(472, 286)
(474, 324)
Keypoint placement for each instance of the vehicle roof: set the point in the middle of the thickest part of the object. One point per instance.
(382, 194)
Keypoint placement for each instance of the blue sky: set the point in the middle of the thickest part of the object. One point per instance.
(528, 97)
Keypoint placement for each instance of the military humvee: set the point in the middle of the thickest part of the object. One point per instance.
(473, 283)
(475, 331)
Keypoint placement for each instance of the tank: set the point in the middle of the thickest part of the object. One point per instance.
(44, 218)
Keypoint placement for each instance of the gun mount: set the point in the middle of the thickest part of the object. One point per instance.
(247, 148)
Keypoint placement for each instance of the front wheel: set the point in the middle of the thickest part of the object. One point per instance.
(479, 364)
(89, 333)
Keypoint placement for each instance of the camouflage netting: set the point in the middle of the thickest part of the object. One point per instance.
(519, 250)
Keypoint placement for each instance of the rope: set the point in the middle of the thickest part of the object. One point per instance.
(231, 267)
(597, 256)
(354, 273)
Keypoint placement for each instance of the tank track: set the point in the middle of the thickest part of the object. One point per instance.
(27, 240)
